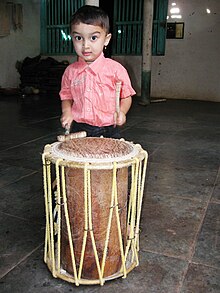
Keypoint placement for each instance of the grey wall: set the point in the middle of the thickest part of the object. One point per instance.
(20, 43)
(190, 68)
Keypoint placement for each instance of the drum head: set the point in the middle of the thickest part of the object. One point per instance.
(94, 149)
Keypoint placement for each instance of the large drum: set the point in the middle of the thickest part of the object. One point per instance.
(93, 208)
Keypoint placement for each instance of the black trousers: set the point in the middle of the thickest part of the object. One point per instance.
(96, 131)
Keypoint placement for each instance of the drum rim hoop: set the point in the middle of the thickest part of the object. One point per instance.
(70, 158)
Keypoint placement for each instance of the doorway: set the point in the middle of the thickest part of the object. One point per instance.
(108, 7)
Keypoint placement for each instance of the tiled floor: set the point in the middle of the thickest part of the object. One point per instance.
(180, 225)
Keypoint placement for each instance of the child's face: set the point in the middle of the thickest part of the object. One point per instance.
(89, 41)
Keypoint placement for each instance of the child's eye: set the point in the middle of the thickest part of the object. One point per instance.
(93, 38)
(78, 38)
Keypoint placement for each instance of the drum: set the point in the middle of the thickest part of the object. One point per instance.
(93, 209)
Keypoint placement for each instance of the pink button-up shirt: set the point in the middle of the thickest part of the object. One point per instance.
(92, 89)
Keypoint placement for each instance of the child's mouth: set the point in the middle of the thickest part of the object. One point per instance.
(86, 53)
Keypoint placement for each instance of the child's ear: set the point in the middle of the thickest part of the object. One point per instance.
(107, 39)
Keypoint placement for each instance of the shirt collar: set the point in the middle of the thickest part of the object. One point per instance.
(97, 64)
(94, 66)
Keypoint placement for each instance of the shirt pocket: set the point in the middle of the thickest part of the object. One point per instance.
(105, 98)
(77, 88)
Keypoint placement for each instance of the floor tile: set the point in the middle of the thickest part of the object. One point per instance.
(188, 183)
(168, 229)
(18, 239)
(188, 155)
(154, 274)
(143, 135)
(27, 155)
(197, 135)
(21, 136)
(216, 190)
(207, 250)
(201, 279)
(24, 198)
(9, 174)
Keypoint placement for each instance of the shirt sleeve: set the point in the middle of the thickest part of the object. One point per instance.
(122, 75)
(65, 92)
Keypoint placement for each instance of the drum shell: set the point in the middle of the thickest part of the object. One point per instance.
(101, 194)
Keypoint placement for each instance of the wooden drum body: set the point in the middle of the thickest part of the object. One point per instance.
(93, 216)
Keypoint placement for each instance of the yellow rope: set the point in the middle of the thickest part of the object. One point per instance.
(118, 221)
(130, 195)
(68, 227)
(91, 230)
(131, 220)
(85, 234)
(50, 209)
(58, 213)
(136, 235)
(47, 230)
(109, 224)
(134, 211)
(142, 173)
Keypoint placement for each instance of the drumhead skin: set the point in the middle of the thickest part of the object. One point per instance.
(93, 149)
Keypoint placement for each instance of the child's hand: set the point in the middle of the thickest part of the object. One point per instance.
(120, 115)
(66, 120)
(67, 117)
(120, 118)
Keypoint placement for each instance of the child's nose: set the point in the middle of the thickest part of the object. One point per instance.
(86, 44)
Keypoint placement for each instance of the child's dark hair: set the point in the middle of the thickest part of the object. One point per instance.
(93, 15)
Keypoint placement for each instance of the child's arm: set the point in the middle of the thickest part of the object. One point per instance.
(67, 117)
(125, 105)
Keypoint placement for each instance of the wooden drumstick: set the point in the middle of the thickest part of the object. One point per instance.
(117, 96)
(67, 129)
(117, 99)
(66, 137)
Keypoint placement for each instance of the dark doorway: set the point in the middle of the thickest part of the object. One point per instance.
(108, 6)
